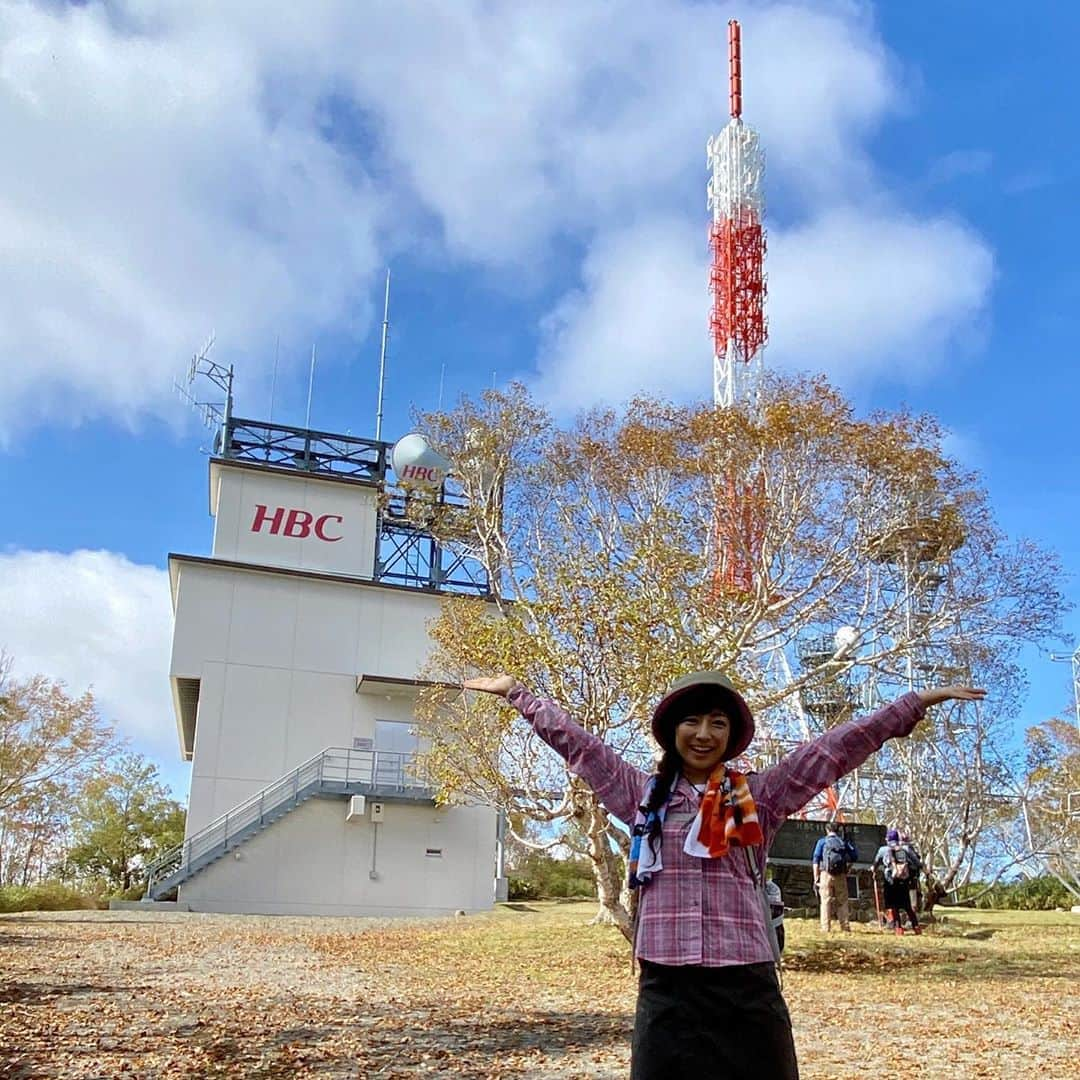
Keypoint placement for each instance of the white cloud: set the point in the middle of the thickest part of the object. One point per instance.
(181, 166)
(861, 294)
(859, 287)
(865, 293)
(146, 196)
(96, 621)
(638, 324)
(958, 164)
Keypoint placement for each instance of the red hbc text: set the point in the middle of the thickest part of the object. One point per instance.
(294, 523)
(422, 472)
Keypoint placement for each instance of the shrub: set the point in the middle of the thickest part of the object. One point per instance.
(1033, 894)
(561, 878)
(47, 896)
(521, 889)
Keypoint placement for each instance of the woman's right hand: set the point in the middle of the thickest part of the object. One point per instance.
(495, 684)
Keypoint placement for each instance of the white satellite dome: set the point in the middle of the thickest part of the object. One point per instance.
(844, 638)
(415, 462)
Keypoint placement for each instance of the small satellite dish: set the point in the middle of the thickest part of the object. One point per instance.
(415, 462)
(845, 638)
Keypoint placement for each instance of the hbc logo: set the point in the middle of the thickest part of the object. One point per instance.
(426, 473)
(294, 523)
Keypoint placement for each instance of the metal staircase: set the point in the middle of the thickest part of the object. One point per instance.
(336, 773)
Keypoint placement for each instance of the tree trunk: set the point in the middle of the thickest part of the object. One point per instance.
(933, 895)
(29, 855)
(611, 911)
(607, 864)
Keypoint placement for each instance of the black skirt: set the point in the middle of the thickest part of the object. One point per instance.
(730, 1023)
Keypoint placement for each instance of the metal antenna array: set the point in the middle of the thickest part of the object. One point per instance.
(214, 415)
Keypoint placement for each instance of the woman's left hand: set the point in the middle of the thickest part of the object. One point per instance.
(938, 694)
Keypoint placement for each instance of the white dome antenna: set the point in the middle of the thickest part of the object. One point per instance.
(415, 462)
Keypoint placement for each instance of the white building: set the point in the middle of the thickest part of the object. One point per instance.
(296, 648)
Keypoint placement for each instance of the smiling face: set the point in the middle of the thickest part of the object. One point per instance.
(701, 740)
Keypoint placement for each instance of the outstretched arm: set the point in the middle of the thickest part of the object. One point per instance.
(816, 765)
(617, 784)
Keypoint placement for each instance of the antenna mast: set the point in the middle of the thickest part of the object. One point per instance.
(310, 388)
(737, 240)
(382, 358)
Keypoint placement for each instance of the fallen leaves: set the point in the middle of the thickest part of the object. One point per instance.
(538, 994)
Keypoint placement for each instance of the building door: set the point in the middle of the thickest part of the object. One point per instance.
(395, 746)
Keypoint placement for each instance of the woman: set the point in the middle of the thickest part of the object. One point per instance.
(709, 1003)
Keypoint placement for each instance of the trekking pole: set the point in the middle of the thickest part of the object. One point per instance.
(877, 900)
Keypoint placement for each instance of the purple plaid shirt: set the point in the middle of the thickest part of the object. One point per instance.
(708, 911)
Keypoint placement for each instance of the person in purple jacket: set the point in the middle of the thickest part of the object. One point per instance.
(709, 1002)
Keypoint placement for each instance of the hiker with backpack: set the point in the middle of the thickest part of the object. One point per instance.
(914, 890)
(709, 1004)
(832, 859)
(898, 870)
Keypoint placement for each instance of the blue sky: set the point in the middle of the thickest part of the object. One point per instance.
(534, 175)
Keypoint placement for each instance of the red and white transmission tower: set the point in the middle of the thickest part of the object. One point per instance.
(737, 239)
(737, 322)
(739, 332)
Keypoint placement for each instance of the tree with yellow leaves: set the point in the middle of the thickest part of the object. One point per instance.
(49, 742)
(603, 543)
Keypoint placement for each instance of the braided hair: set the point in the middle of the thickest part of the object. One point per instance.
(667, 773)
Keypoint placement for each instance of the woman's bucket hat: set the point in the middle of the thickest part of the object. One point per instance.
(727, 697)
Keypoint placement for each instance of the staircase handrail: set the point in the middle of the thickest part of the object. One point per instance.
(286, 789)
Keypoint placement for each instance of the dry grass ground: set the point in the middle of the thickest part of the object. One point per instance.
(531, 990)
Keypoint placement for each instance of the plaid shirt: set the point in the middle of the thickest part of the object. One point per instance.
(708, 911)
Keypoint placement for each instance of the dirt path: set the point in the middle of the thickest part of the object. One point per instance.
(535, 993)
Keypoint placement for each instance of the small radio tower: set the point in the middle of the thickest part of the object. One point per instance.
(737, 240)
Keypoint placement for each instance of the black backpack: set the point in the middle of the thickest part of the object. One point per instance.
(834, 856)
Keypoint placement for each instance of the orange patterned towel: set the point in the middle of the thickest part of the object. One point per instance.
(727, 816)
